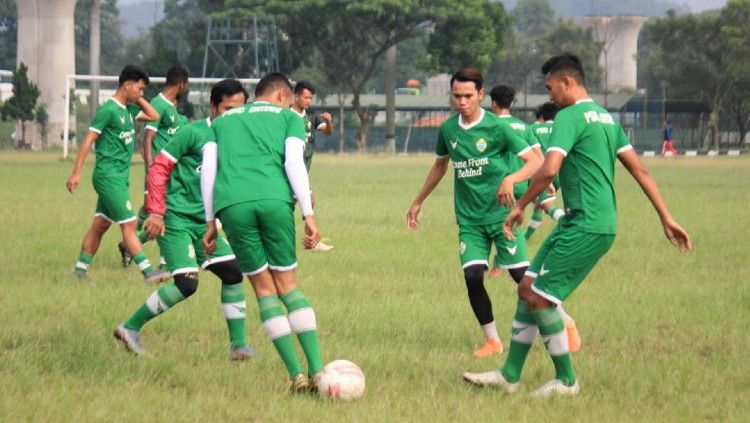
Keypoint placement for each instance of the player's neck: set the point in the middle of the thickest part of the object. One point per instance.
(475, 116)
(170, 93)
(578, 94)
(298, 109)
(502, 112)
(120, 97)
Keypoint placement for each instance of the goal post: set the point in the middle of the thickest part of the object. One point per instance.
(199, 94)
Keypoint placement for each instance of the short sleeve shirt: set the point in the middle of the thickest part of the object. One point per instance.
(168, 123)
(312, 121)
(114, 122)
(543, 131)
(251, 148)
(526, 132)
(185, 149)
(590, 139)
(478, 152)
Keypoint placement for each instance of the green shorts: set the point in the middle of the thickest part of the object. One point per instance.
(563, 261)
(113, 203)
(261, 234)
(182, 247)
(475, 242)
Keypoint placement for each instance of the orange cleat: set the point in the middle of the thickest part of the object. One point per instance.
(491, 347)
(496, 272)
(574, 340)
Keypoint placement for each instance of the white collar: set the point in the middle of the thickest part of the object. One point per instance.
(166, 99)
(472, 124)
(585, 100)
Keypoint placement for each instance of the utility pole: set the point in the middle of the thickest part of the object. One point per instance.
(95, 51)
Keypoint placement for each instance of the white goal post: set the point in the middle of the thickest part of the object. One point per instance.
(71, 79)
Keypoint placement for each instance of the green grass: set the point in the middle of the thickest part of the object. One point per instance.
(663, 331)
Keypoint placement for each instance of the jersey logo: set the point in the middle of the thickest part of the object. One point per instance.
(172, 118)
(191, 251)
(454, 144)
(543, 271)
(512, 251)
(129, 205)
(122, 120)
(518, 126)
(481, 145)
(461, 247)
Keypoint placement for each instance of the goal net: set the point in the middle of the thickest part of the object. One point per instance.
(80, 104)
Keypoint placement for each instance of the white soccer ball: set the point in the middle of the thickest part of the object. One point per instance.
(341, 380)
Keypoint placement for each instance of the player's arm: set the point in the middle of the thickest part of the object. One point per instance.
(542, 179)
(296, 173)
(326, 126)
(147, 146)
(434, 176)
(156, 182)
(533, 159)
(148, 113)
(208, 176)
(673, 231)
(83, 152)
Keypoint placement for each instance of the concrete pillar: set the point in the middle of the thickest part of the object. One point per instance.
(620, 37)
(46, 43)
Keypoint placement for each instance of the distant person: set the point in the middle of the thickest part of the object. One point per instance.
(584, 145)
(303, 96)
(668, 144)
(113, 131)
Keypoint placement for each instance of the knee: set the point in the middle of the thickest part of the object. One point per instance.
(228, 272)
(474, 275)
(518, 273)
(187, 283)
(524, 290)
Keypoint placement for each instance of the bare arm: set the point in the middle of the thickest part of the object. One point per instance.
(533, 160)
(672, 230)
(434, 176)
(148, 142)
(148, 113)
(327, 127)
(83, 152)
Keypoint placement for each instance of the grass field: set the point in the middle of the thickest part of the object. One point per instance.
(663, 331)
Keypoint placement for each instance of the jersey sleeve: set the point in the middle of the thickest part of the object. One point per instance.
(441, 149)
(295, 127)
(154, 125)
(564, 134)
(181, 144)
(101, 119)
(133, 110)
(317, 121)
(623, 142)
(513, 142)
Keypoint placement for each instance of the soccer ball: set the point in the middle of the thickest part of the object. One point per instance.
(341, 380)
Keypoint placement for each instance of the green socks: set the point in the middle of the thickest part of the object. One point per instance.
(83, 263)
(552, 329)
(302, 321)
(277, 327)
(143, 264)
(233, 304)
(524, 332)
(159, 302)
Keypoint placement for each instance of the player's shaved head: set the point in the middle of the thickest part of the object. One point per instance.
(272, 82)
(503, 95)
(565, 64)
(469, 75)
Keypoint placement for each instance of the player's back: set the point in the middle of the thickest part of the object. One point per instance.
(251, 142)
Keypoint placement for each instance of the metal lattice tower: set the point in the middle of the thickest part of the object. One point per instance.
(240, 47)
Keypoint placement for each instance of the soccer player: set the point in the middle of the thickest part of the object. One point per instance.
(177, 221)
(260, 165)
(477, 142)
(303, 96)
(668, 144)
(113, 130)
(158, 134)
(502, 98)
(545, 203)
(583, 147)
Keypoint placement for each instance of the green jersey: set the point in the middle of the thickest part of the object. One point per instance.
(526, 132)
(478, 152)
(251, 142)
(184, 187)
(114, 123)
(312, 123)
(168, 123)
(543, 131)
(590, 139)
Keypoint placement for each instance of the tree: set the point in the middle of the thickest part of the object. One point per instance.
(20, 107)
(350, 38)
(42, 118)
(112, 41)
(703, 57)
(533, 18)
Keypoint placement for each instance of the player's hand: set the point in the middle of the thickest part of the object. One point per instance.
(326, 117)
(505, 195)
(412, 216)
(551, 189)
(312, 235)
(512, 222)
(72, 183)
(209, 238)
(154, 226)
(677, 236)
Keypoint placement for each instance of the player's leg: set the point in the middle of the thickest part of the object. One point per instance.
(279, 243)
(223, 264)
(241, 225)
(535, 222)
(90, 243)
(135, 249)
(568, 262)
(474, 249)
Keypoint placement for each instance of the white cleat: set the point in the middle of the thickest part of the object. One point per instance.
(556, 387)
(493, 378)
(321, 246)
